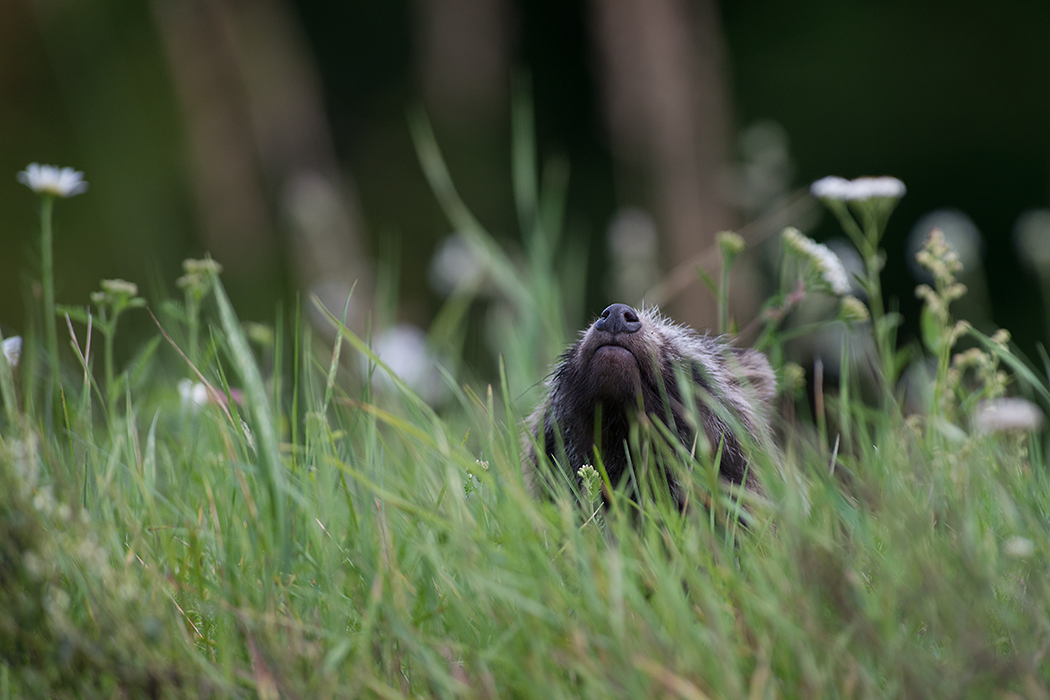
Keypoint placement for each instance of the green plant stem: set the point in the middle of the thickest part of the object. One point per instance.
(866, 241)
(47, 203)
(192, 320)
(110, 389)
(883, 331)
(723, 296)
(108, 326)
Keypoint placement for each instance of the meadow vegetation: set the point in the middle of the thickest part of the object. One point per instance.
(286, 527)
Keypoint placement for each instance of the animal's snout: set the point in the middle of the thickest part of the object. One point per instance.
(619, 318)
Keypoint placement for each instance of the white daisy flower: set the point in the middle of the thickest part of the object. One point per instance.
(51, 179)
(12, 349)
(859, 189)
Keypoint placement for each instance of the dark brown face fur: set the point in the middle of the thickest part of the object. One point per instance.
(628, 363)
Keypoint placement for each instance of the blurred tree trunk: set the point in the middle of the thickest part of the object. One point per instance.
(667, 108)
(463, 54)
(463, 58)
(263, 157)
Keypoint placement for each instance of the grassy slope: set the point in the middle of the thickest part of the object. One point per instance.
(312, 542)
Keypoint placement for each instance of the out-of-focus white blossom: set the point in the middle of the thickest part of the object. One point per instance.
(193, 394)
(12, 349)
(1032, 237)
(455, 266)
(53, 180)
(862, 188)
(1020, 547)
(826, 263)
(403, 348)
(1007, 414)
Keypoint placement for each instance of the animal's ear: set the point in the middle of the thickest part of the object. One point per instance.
(755, 370)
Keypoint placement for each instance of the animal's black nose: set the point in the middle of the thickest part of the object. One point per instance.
(619, 318)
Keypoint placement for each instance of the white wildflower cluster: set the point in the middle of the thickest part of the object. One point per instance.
(25, 456)
(853, 309)
(819, 256)
(938, 256)
(590, 481)
(53, 180)
(56, 603)
(36, 567)
(44, 501)
(119, 287)
(943, 263)
(120, 293)
(472, 484)
(198, 275)
(862, 188)
(730, 243)
(91, 554)
(975, 373)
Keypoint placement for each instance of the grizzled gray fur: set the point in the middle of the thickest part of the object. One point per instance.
(630, 360)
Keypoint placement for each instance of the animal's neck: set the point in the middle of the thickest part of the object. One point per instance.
(614, 428)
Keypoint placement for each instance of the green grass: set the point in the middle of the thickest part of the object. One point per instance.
(323, 540)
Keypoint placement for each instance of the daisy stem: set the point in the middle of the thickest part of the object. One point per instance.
(47, 265)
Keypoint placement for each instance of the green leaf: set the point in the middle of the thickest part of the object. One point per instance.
(76, 313)
(932, 332)
(1019, 365)
(262, 420)
(707, 279)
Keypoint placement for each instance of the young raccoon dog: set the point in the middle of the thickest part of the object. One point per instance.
(630, 361)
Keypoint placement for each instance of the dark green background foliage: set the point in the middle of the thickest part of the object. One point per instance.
(951, 97)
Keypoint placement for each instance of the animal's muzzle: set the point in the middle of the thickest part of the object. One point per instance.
(619, 318)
